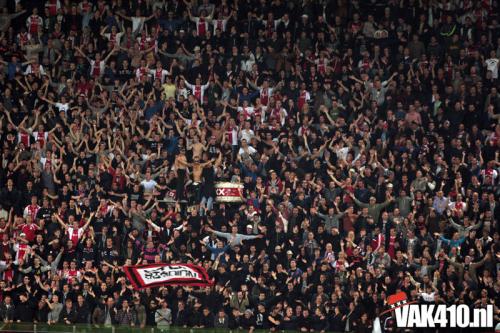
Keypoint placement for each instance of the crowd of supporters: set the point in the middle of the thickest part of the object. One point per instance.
(365, 132)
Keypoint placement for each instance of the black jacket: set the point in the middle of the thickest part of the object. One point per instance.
(82, 313)
(99, 315)
(24, 311)
(182, 318)
(7, 313)
(69, 315)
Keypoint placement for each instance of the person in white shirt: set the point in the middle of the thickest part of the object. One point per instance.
(137, 21)
(246, 150)
(148, 183)
(248, 59)
(492, 65)
(247, 133)
(61, 106)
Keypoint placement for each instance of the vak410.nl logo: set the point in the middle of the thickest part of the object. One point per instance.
(411, 315)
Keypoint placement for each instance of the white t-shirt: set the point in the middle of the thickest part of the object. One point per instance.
(492, 65)
(247, 134)
(62, 107)
(427, 297)
(251, 150)
(137, 23)
(149, 185)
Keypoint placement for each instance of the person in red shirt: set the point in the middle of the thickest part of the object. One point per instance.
(378, 239)
(118, 177)
(29, 229)
(391, 244)
(5, 247)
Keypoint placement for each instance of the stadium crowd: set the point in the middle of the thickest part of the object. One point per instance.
(366, 135)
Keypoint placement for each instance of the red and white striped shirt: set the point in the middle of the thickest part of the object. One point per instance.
(232, 135)
(265, 93)
(159, 74)
(198, 91)
(304, 97)
(40, 137)
(31, 210)
(34, 24)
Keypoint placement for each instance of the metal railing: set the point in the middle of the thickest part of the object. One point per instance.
(84, 328)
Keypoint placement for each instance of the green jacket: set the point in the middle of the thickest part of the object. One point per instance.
(374, 210)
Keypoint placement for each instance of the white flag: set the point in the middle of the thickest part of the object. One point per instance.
(376, 326)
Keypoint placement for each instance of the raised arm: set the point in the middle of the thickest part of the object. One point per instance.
(83, 54)
(88, 221)
(191, 17)
(481, 262)
(357, 202)
(60, 221)
(475, 226)
(128, 18)
(246, 237)
(457, 226)
(225, 235)
(151, 223)
(103, 30)
(445, 240)
(352, 77)
(55, 263)
(412, 280)
(109, 55)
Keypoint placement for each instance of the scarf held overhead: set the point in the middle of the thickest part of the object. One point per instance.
(157, 275)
